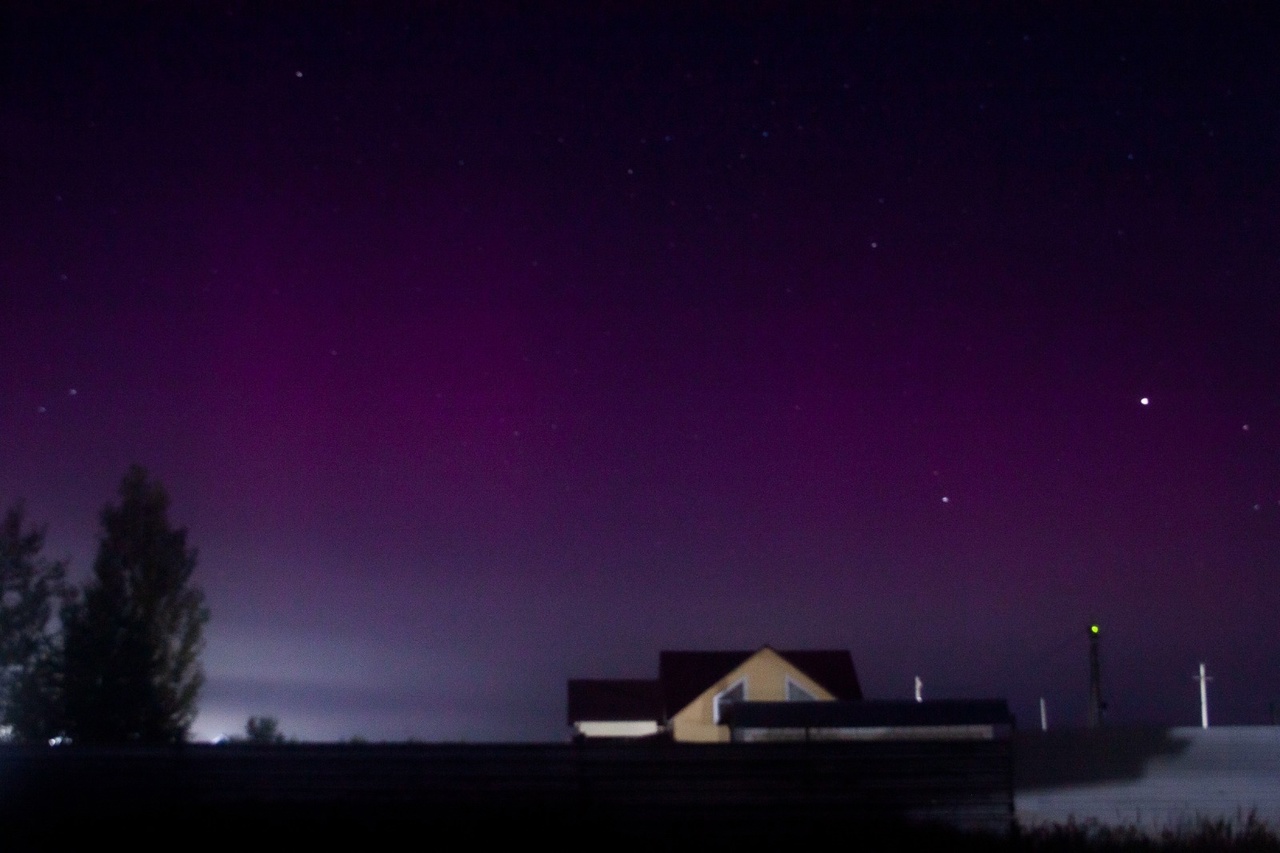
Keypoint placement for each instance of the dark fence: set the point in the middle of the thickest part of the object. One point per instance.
(960, 784)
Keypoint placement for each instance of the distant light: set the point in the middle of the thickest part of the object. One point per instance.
(1093, 629)
(297, 74)
(946, 500)
(1144, 401)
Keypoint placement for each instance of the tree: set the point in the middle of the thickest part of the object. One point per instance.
(263, 730)
(29, 587)
(132, 642)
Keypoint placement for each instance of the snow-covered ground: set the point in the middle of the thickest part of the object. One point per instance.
(1222, 773)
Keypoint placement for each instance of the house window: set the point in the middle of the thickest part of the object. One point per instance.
(736, 692)
(796, 693)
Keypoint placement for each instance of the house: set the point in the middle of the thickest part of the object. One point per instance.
(615, 708)
(690, 699)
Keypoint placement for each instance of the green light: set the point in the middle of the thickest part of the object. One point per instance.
(1093, 629)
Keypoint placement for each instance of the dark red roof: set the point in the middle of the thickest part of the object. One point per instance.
(685, 675)
(604, 699)
(832, 668)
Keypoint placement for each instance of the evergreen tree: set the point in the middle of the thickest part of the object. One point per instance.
(133, 641)
(29, 587)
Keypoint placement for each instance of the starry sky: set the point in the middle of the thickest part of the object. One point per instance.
(481, 346)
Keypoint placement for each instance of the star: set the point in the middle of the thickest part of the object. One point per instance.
(1145, 401)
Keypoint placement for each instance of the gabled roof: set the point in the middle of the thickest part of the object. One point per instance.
(685, 675)
(832, 668)
(612, 699)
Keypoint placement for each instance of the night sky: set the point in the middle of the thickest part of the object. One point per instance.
(484, 345)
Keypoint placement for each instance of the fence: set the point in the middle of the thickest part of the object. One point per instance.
(964, 784)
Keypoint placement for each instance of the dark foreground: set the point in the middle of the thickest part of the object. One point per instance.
(867, 797)
(379, 828)
(660, 792)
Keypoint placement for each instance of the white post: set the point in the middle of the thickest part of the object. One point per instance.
(1204, 697)
(919, 689)
(1044, 716)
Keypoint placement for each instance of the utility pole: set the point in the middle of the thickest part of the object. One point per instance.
(1095, 680)
(1044, 716)
(1204, 697)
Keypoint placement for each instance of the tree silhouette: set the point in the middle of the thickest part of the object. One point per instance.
(263, 730)
(29, 587)
(133, 641)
